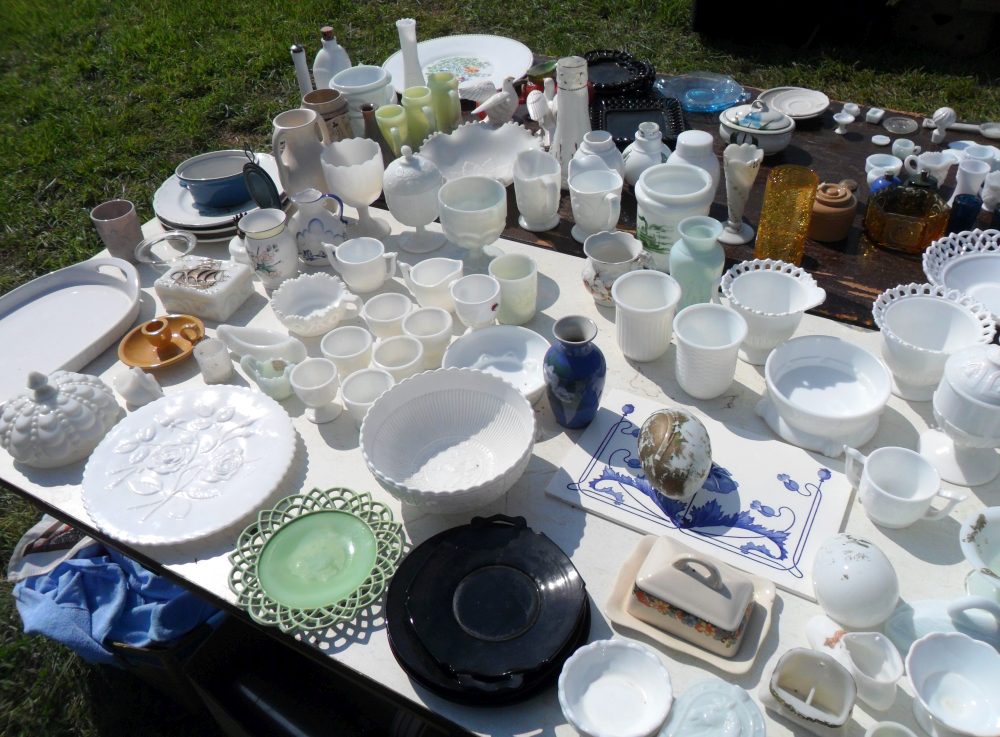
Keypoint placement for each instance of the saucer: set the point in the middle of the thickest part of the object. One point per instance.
(512, 353)
(175, 207)
(798, 103)
(832, 447)
(137, 350)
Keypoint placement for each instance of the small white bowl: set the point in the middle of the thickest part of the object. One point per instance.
(615, 688)
(957, 684)
(450, 440)
(828, 389)
(513, 353)
(772, 297)
(312, 304)
(921, 326)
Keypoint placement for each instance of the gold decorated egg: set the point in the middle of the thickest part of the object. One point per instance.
(675, 453)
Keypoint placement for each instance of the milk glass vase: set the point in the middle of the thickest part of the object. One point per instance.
(786, 213)
(741, 164)
(697, 259)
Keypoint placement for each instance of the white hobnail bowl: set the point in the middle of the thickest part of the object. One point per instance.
(825, 386)
(449, 440)
(615, 688)
(921, 326)
(772, 297)
(957, 684)
(312, 304)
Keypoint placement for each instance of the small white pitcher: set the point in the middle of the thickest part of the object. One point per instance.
(430, 281)
(362, 262)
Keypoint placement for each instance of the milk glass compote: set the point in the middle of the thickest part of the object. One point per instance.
(353, 169)
(473, 215)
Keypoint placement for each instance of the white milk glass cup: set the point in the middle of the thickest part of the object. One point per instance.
(432, 326)
(360, 390)
(349, 347)
(363, 262)
(537, 177)
(384, 313)
(645, 302)
(401, 355)
(477, 298)
(518, 277)
(596, 198)
(708, 343)
(896, 486)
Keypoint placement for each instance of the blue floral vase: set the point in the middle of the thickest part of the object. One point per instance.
(574, 371)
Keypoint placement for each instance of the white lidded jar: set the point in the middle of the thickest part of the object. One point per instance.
(330, 59)
(695, 148)
(410, 185)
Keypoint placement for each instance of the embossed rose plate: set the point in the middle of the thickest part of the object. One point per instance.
(188, 465)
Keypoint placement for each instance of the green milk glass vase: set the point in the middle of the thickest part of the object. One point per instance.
(697, 259)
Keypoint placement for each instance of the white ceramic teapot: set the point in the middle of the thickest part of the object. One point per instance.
(430, 281)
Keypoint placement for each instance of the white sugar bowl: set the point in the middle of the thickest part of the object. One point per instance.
(411, 185)
(61, 421)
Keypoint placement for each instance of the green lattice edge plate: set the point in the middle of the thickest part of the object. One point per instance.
(244, 581)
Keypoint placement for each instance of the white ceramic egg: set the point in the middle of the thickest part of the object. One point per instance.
(854, 582)
(675, 452)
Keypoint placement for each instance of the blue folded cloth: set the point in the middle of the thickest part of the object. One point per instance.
(101, 596)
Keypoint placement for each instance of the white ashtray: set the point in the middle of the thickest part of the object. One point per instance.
(312, 304)
(510, 352)
(824, 393)
(615, 688)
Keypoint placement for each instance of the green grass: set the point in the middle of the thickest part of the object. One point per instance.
(102, 99)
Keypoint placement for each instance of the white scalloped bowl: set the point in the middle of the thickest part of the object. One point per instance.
(450, 440)
(312, 304)
(476, 149)
(968, 261)
(772, 297)
(615, 688)
(921, 326)
(827, 387)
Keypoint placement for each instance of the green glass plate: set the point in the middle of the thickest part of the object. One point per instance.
(315, 559)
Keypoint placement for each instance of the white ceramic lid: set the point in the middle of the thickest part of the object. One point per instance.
(411, 174)
(974, 372)
(697, 583)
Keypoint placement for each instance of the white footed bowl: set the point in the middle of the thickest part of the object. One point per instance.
(449, 440)
(312, 304)
(772, 297)
(615, 688)
(921, 326)
(827, 388)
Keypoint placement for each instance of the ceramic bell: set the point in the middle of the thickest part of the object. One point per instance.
(61, 421)
(675, 453)
(410, 185)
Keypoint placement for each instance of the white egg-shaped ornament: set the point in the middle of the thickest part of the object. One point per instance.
(675, 453)
(854, 582)
(61, 420)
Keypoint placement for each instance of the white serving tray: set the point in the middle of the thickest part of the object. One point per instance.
(64, 320)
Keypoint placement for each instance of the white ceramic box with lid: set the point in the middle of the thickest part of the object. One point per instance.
(207, 288)
(693, 596)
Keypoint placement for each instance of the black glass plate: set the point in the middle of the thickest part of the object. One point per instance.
(427, 670)
(614, 73)
(620, 116)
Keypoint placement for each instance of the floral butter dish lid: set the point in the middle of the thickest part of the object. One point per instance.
(700, 585)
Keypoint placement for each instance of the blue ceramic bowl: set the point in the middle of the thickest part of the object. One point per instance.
(215, 180)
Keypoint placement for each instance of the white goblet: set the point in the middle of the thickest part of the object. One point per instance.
(473, 215)
(353, 169)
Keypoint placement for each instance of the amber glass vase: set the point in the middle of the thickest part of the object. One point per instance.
(786, 213)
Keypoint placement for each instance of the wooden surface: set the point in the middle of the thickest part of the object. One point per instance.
(852, 275)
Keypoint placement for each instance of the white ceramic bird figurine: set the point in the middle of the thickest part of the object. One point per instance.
(499, 107)
(542, 113)
(551, 96)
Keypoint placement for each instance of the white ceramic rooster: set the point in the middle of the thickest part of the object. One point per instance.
(499, 105)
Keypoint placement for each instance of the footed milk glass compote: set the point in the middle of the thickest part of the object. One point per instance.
(473, 215)
(353, 169)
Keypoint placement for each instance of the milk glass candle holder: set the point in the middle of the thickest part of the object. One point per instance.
(786, 213)
(212, 356)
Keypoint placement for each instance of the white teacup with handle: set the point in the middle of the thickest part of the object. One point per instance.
(935, 163)
(896, 486)
(363, 262)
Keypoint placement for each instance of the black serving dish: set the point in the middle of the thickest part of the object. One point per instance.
(486, 613)
(615, 73)
(620, 116)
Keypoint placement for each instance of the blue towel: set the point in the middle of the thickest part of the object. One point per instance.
(101, 596)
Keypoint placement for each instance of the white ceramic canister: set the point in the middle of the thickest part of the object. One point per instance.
(694, 147)
(270, 246)
(666, 194)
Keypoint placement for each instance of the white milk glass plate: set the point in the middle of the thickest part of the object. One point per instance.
(798, 103)
(467, 57)
(188, 465)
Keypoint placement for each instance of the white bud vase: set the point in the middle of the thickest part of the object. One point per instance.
(741, 162)
(695, 148)
(647, 150)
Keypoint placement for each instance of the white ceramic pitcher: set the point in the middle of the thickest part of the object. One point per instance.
(298, 140)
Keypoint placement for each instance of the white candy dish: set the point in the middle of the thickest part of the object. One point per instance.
(824, 393)
(478, 149)
(714, 708)
(921, 326)
(60, 421)
(615, 688)
(261, 343)
(448, 441)
(957, 685)
(969, 262)
(854, 582)
(510, 352)
(189, 465)
(312, 304)
(771, 296)
(33, 318)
